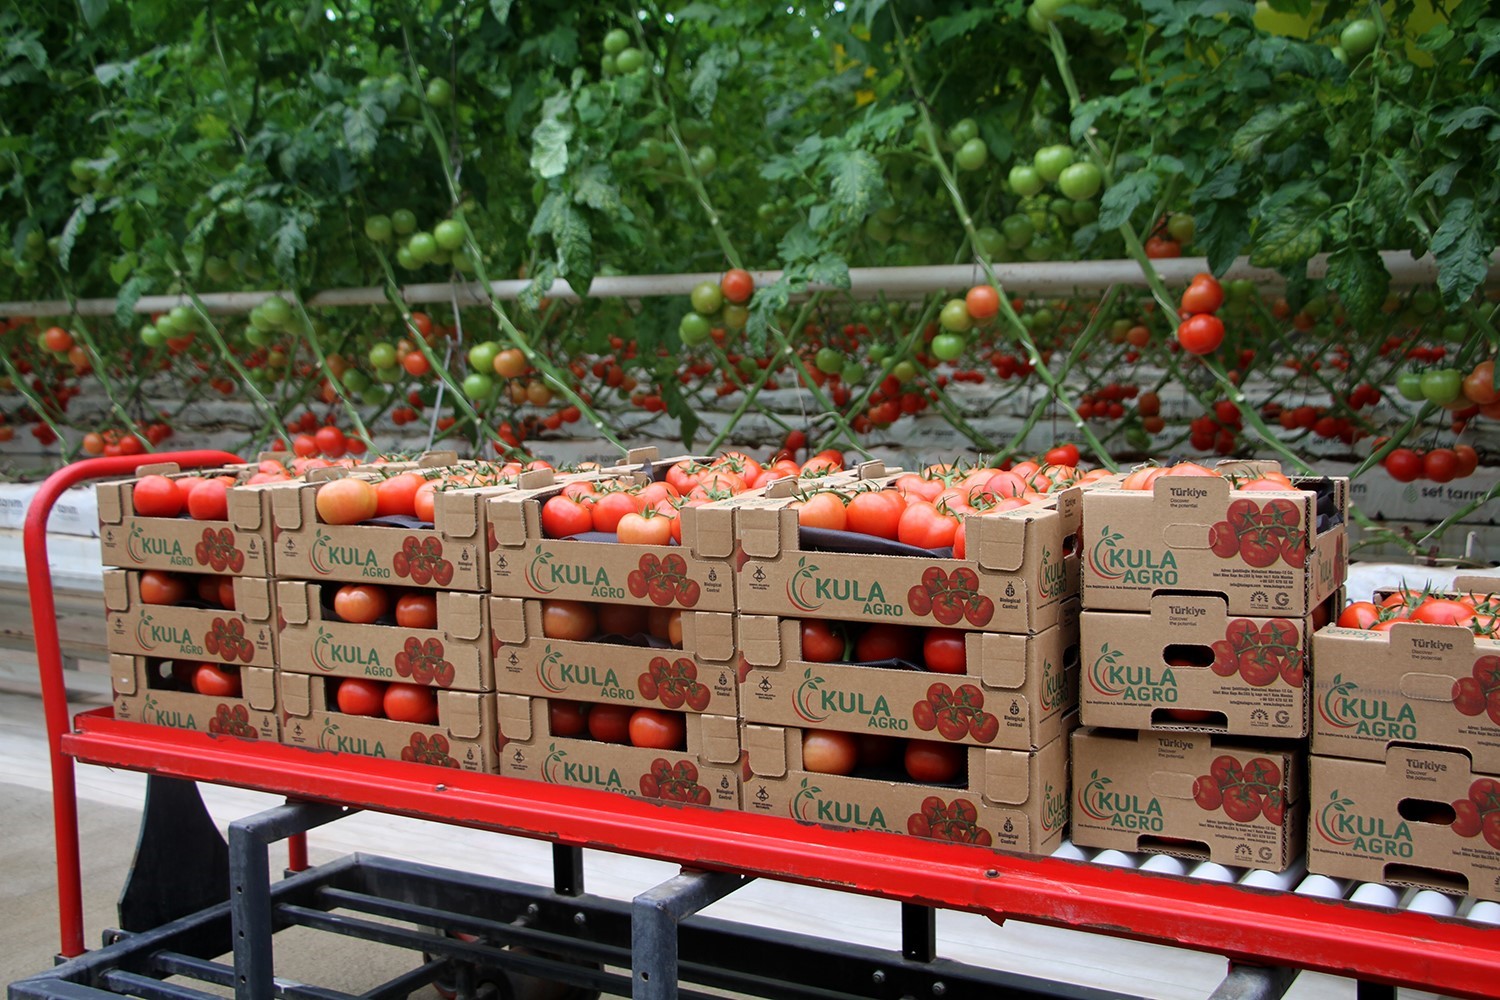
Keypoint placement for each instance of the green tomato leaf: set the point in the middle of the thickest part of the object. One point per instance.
(855, 181)
(541, 283)
(501, 10)
(943, 30)
(1359, 277)
(288, 241)
(1466, 118)
(1288, 237)
(712, 66)
(830, 270)
(1128, 194)
(72, 229)
(798, 245)
(575, 247)
(549, 140)
(1462, 251)
(1261, 128)
(1100, 21)
(768, 301)
(594, 186)
(362, 127)
(126, 297)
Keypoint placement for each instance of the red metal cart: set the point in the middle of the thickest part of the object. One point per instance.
(1252, 928)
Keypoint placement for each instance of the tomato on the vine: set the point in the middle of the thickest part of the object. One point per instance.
(1201, 333)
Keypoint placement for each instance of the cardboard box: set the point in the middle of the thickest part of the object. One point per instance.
(1138, 543)
(1011, 800)
(1176, 793)
(1021, 687)
(529, 663)
(449, 552)
(1189, 664)
(246, 635)
(455, 655)
(145, 692)
(1416, 684)
(706, 773)
(697, 575)
(464, 736)
(1021, 567)
(1418, 817)
(240, 545)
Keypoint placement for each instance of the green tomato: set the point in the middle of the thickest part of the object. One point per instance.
(972, 155)
(735, 316)
(1424, 303)
(851, 373)
(877, 230)
(1025, 181)
(608, 66)
(382, 355)
(423, 247)
(449, 234)
(257, 337)
(694, 328)
(403, 221)
(1051, 161)
(1043, 318)
(948, 346)
(1047, 9)
(355, 381)
(1240, 290)
(1018, 229)
(405, 260)
(828, 361)
(630, 59)
(217, 269)
(463, 262)
(151, 336)
(185, 320)
(879, 352)
(705, 160)
(616, 41)
(390, 375)
(1085, 212)
(482, 356)
(439, 92)
(707, 297)
(962, 131)
(275, 310)
(372, 395)
(748, 367)
(1080, 181)
(1441, 385)
(1358, 38)
(955, 317)
(478, 386)
(991, 240)
(904, 370)
(1182, 227)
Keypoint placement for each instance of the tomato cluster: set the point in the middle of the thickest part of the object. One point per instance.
(951, 597)
(422, 560)
(424, 749)
(957, 821)
(1201, 331)
(232, 721)
(1259, 535)
(674, 683)
(664, 580)
(1438, 465)
(1144, 477)
(1106, 402)
(226, 638)
(397, 701)
(1479, 814)
(1261, 655)
(610, 722)
(674, 782)
(111, 442)
(1243, 791)
(956, 713)
(1480, 613)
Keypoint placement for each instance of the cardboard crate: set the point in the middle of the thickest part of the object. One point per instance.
(240, 545)
(1418, 817)
(1021, 564)
(454, 655)
(1190, 665)
(529, 663)
(246, 635)
(525, 563)
(464, 736)
(452, 547)
(1376, 689)
(1140, 791)
(1138, 543)
(1012, 800)
(707, 772)
(1026, 684)
(144, 692)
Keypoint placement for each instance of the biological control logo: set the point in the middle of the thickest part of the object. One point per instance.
(1342, 707)
(1340, 826)
(1140, 567)
(809, 806)
(1116, 809)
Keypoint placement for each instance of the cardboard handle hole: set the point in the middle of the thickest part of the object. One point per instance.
(1187, 654)
(1430, 878)
(1178, 846)
(1427, 811)
(1197, 718)
(1071, 657)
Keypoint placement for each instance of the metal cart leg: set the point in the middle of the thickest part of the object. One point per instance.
(250, 888)
(1374, 991)
(181, 862)
(567, 870)
(1252, 982)
(654, 916)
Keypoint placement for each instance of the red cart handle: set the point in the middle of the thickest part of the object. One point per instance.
(49, 665)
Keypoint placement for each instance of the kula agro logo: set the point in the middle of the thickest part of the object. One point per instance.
(153, 713)
(331, 739)
(808, 591)
(544, 575)
(1128, 682)
(558, 674)
(803, 580)
(329, 654)
(1052, 577)
(1339, 825)
(139, 546)
(151, 635)
(810, 806)
(538, 569)
(1343, 707)
(550, 661)
(326, 557)
(558, 770)
(1116, 809)
(1108, 560)
(1054, 685)
(805, 701)
(1054, 808)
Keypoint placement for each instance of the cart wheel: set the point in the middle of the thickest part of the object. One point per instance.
(508, 985)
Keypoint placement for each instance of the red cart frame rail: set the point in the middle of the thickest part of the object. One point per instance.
(1249, 926)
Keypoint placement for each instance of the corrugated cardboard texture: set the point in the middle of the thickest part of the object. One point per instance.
(245, 636)
(1416, 684)
(251, 716)
(1396, 821)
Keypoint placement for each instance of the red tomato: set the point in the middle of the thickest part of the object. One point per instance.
(934, 763)
(610, 723)
(983, 302)
(564, 515)
(1201, 334)
(210, 500)
(658, 730)
(1065, 454)
(411, 703)
(346, 501)
(566, 718)
(822, 510)
(611, 507)
(361, 603)
(397, 495)
(1440, 465)
(886, 642)
(738, 285)
(425, 501)
(623, 619)
(157, 496)
(357, 696)
(331, 442)
(875, 512)
(569, 620)
(1242, 803)
(166, 588)
(641, 529)
(216, 680)
(1439, 611)
(1359, 614)
(828, 752)
(943, 650)
(822, 642)
(1162, 247)
(1403, 464)
(922, 524)
(1204, 295)
(417, 609)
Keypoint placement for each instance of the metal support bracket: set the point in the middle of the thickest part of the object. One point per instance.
(654, 916)
(1254, 982)
(250, 888)
(181, 862)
